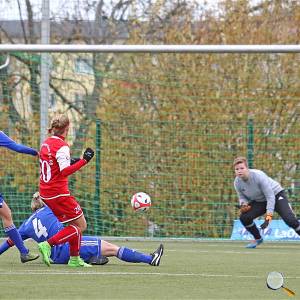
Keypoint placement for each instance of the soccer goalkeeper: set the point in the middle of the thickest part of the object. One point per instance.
(43, 224)
(258, 195)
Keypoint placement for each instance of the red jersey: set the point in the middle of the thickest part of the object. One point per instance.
(54, 157)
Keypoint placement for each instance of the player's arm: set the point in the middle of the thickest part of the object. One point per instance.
(268, 192)
(243, 202)
(74, 160)
(241, 196)
(73, 168)
(270, 196)
(65, 163)
(7, 142)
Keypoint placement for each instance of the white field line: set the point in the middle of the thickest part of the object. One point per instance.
(35, 272)
(247, 252)
(253, 251)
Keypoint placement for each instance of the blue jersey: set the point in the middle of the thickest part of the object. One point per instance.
(43, 224)
(40, 226)
(7, 142)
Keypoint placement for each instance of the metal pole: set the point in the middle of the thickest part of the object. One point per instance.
(97, 208)
(45, 38)
(250, 142)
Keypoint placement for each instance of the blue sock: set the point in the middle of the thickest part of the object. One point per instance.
(133, 256)
(4, 246)
(14, 235)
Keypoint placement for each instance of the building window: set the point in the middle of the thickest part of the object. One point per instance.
(84, 66)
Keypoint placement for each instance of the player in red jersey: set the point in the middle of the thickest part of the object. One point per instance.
(55, 167)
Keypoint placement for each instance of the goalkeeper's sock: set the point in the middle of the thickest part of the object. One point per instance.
(133, 256)
(15, 236)
(254, 231)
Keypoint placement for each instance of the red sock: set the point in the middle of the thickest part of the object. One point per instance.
(75, 244)
(71, 234)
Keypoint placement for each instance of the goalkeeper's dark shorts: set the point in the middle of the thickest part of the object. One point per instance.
(282, 207)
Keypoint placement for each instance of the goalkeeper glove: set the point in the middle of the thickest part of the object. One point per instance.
(267, 221)
(244, 208)
(88, 154)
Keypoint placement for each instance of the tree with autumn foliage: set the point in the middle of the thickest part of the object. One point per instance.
(172, 123)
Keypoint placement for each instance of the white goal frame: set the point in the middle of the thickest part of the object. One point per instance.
(72, 48)
(151, 48)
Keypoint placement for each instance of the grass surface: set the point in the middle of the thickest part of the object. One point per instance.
(188, 270)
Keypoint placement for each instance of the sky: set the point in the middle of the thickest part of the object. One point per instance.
(62, 8)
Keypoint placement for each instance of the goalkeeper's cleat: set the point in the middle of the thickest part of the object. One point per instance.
(45, 250)
(76, 261)
(255, 243)
(156, 256)
(101, 260)
(28, 257)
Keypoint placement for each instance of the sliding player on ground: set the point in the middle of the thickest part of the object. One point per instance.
(43, 224)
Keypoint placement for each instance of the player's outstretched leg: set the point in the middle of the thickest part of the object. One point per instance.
(254, 243)
(45, 250)
(76, 261)
(156, 255)
(28, 257)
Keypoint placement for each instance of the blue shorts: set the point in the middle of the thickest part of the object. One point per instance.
(90, 247)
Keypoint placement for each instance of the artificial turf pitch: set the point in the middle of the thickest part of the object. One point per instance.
(188, 270)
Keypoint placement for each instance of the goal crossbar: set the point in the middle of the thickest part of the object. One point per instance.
(151, 48)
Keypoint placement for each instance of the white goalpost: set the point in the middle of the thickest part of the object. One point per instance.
(6, 63)
(152, 48)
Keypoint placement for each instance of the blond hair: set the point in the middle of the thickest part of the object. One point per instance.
(240, 160)
(58, 124)
(36, 201)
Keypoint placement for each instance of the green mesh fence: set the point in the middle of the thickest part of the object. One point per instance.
(169, 125)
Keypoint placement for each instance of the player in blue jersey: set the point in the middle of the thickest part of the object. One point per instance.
(5, 212)
(43, 224)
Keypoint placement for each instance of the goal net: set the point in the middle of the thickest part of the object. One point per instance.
(168, 124)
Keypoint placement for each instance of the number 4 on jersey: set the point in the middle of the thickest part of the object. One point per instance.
(39, 228)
